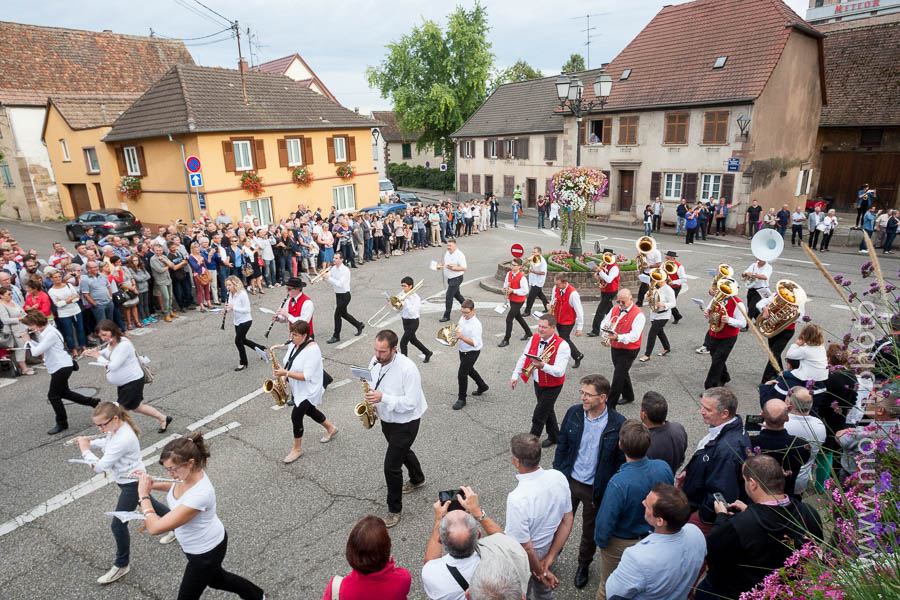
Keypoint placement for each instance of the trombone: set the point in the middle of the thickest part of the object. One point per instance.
(320, 276)
(395, 302)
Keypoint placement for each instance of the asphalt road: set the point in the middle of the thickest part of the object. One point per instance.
(288, 525)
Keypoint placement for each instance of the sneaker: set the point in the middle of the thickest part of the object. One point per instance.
(863, 251)
(702, 350)
(152, 319)
(391, 519)
(113, 574)
(167, 539)
(409, 486)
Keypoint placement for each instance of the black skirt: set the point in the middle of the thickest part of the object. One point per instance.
(131, 394)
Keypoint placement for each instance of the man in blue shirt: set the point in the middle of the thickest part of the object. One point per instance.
(782, 219)
(588, 454)
(620, 521)
(865, 198)
(868, 226)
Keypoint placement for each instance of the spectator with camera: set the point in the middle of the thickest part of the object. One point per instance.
(668, 439)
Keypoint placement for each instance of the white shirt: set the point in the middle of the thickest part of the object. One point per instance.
(456, 259)
(680, 275)
(265, 248)
(666, 299)
(653, 257)
(812, 430)
(309, 362)
(439, 584)
(522, 290)
(575, 303)
(51, 346)
(121, 454)
(557, 369)
(536, 507)
(339, 278)
(535, 280)
(813, 362)
(755, 269)
(59, 296)
(240, 307)
(830, 223)
(713, 433)
(205, 531)
(412, 307)
(400, 384)
(470, 329)
(637, 326)
(554, 210)
(123, 364)
(608, 275)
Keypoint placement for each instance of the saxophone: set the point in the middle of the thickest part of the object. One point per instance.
(364, 410)
(276, 386)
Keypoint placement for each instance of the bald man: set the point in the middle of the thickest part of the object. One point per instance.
(625, 322)
(790, 451)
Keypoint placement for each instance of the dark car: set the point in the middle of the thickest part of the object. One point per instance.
(105, 221)
(408, 198)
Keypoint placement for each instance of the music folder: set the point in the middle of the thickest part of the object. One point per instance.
(360, 373)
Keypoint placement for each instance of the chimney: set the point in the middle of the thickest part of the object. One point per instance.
(356, 109)
(107, 31)
(243, 66)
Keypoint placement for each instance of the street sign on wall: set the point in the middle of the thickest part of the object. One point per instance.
(196, 180)
(192, 164)
(201, 198)
(734, 164)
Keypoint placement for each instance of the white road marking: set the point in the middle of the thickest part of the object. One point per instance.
(691, 277)
(507, 226)
(788, 273)
(340, 383)
(225, 409)
(550, 233)
(6, 382)
(350, 342)
(140, 332)
(624, 239)
(715, 245)
(805, 262)
(840, 306)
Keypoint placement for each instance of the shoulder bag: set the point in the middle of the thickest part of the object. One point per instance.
(336, 587)
(148, 374)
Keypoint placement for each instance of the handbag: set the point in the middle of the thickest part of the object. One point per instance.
(148, 374)
(247, 269)
(122, 296)
(204, 278)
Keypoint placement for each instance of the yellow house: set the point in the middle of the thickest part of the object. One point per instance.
(282, 128)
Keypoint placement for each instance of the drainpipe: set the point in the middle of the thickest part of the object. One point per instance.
(187, 181)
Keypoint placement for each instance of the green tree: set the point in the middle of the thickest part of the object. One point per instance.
(437, 79)
(521, 71)
(575, 64)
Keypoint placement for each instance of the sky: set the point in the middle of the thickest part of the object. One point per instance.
(340, 39)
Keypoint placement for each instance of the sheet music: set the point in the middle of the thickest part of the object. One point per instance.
(126, 515)
(360, 373)
(433, 265)
(536, 314)
(79, 461)
(500, 309)
(697, 301)
(100, 362)
(644, 278)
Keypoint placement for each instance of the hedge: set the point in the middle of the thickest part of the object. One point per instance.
(421, 177)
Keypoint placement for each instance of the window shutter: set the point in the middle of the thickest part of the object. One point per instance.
(329, 142)
(282, 152)
(607, 173)
(655, 178)
(351, 148)
(120, 161)
(727, 187)
(228, 152)
(690, 187)
(509, 182)
(550, 148)
(709, 127)
(607, 131)
(476, 184)
(307, 151)
(522, 148)
(583, 139)
(547, 185)
(259, 154)
(142, 164)
(461, 153)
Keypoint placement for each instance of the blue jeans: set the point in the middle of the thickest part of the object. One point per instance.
(515, 218)
(889, 240)
(648, 228)
(269, 272)
(782, 230)
(104, 311)
(284, 267)
(72, 328)
(128, 501)
(369, 244)
(679, 227)
(540, 218)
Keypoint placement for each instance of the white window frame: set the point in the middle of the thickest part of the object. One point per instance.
(295, 148)
(492, 148)
(344, 198)
(340, 157)
(673, 184)
(469, 149)
(132, 166)
(65, 150)
(239, 155)
(509, 148)
(92, 169)
(710, 185)
(261, 208)
(804, 182)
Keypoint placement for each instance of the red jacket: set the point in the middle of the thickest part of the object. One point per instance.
(623, 325)
(295, 305)
(563, 311)
(727, 331)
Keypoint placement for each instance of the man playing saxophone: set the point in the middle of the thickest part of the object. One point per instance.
(549, 378)
(399, 403)
(720, 339)
(302, 368)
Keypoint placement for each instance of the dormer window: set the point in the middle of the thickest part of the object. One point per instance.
(720, 62)
(625, 75)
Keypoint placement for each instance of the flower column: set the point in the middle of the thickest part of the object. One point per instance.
(573, 189)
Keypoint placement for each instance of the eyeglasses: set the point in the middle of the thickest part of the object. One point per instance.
(591, 395)
(102, 425)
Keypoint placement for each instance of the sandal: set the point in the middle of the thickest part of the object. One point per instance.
(644, 358)
(240, 367)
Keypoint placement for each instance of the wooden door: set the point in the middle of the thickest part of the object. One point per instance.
(626, 190)
(531, 192)
(81, 202)
(489, 184)
(844, 173)
(99, 191)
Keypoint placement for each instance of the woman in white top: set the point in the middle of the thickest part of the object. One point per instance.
(302, 367)
(124, 371)
(192, 516)
(11, 315)
(810, 351)
(469, 343)
(121, 456)
(554, 214)
(658, 320)
(239, 305)
(830, 223)
(69, 319)
(59, 364)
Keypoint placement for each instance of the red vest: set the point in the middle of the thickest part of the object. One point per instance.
(727, 331)
(544, 379)
(623, 325)
(564, 313)
(295, 305)
(514, 280)
(612, 286)
(677, 285)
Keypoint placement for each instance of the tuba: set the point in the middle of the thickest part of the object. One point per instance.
(364, 410)
(723, 271)
(725, 288)
(645, 245)
(447, 335)
(276, 386)
(671, 269)
(657, 278)
(784, 309)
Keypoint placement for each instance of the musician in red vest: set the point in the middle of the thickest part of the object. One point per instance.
(549, 376)
(516, 288)
(719, 343)
(779, 341)
(675, 282)
(569, 314)
(626, 321)
(300, 307)
(608, 274)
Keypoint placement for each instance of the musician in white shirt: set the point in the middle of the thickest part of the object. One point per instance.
(59, 365)
(757, 276)
(396, 392)
(302, 370)
(409, 315)
(658, 320)
(515, 287)
(339, 278)
(537, 276)
(654, 260)
(625, 343)
(469, 343)
(609, 275)
(239, 305)
(454, 265)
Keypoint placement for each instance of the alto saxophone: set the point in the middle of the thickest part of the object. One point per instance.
(364, 410)
(276, 386)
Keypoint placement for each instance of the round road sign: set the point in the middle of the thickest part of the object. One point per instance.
(193, 164)
(517, 250)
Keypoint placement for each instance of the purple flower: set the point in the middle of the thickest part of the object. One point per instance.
(838, 277)
(852, 296)
(846, 283)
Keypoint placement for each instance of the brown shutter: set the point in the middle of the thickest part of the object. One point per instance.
(709, 127)
(351, 148)
(228, 152)
(727, 187)
(607, 131)
(690, 187)
(330, 143)
(487, 148)
(550, 147)
(476, 184)
(142, 164)
(120, 161)
(259, 154)
(282, 152)
(522, 148)
(655, 178)
(461, 144)
(307, 151)
(583, 134)
(607, 173)
(547, 185)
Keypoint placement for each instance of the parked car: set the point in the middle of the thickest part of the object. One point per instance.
(105, 221)
(409, 198)
(385, 209)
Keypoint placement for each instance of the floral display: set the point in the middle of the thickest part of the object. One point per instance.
(345, 172)
(574, 188)
(302, 176)
(252, 183)
(130, 187)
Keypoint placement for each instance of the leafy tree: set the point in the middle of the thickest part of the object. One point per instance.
(437, 79)
(575, 64)
(521, 71)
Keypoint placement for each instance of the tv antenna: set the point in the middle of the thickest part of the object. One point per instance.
(590, 36)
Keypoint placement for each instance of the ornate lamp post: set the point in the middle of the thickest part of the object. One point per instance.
(570, 89)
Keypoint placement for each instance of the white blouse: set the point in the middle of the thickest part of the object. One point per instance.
(240, 307)
(813, 362)
(50, 346)
(309, 362)
(123, 364)
(121, 454)
(59, 296)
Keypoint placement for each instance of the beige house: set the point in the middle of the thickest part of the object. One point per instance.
(396, 146)
(294, 67)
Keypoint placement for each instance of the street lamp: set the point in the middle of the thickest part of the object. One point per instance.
(744, 125)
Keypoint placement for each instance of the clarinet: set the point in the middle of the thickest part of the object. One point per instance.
(224, 312)
(275, 317)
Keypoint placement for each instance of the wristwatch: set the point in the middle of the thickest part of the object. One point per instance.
(482, 517)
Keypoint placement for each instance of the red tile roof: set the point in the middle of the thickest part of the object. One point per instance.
(390, 131)
(37, 62)
(280, 67)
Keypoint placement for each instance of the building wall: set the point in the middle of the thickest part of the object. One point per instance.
(13, 204)
(850, 165)
(395, 155)
(38, 191)
(298, 72)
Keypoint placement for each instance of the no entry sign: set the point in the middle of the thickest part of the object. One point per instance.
(517, 250)
(193, 164)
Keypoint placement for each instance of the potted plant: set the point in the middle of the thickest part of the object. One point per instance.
(302, 176)
(130, 187)
(345, 171)
(252, 182)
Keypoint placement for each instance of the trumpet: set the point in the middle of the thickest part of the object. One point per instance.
(645, 245)
(73, 441)
(396, 302)
(320, 276)
(364, 410)
(136, 476)
(531, 263)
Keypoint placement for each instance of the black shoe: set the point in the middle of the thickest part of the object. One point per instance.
(479, 391)
(58, 428)
(333, 340)
(428, 357)
(163, 429)
(459, 404)
(359, 329)
(581, 576)
(503, 344)
(675, 320)
(526, 314)
(527, 336)
(578, 361)
(593, 334)
(443, 319)
(547, 443)
(623, 401)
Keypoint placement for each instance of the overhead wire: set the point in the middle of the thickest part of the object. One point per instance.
(196, 11)
(227, 20)
(184, 39)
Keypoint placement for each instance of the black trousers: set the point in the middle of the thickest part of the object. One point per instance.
(753, 297)
(777, 344)
(796, 234)
(606, 304)
(657, 222)
(342, 301)
(515, 314)
(544, 413)
(826, 239)
(676, 315)
(301, 410)
(657, 330)
(240, 340)
(205, 570)
(453, 293)
(620, 387)
(813, 239)
(59, 391)
(565, 332)
(400, 438)
(534, 292)
(719, 349)
(466, 370)
(583, 493)
(410, 326)
(689, 236)
(642, 292)
(860, 211)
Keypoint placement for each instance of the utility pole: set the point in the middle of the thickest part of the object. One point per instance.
(237, 31)
(589, 35)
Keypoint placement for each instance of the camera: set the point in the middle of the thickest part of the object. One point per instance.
(450, 495)
(753, 423)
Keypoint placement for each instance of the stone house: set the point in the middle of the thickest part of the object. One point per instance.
(397, 146)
